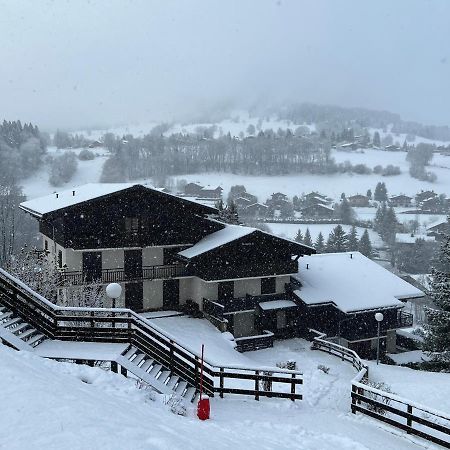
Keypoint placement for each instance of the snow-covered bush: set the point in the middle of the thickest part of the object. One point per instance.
(323, 368)
(381, 386)
(176, 404)
(150, 393)
(86, 155)
(63, 168)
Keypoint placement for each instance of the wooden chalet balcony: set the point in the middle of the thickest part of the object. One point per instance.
(404, 320)
(119, 275)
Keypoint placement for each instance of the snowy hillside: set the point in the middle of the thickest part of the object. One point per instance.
(53, 405)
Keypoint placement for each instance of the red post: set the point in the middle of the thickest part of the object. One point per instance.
(203, 408)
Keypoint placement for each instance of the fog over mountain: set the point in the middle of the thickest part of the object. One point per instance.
(81, 63)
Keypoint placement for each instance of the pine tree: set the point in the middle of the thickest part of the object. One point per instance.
(345, 212)
(380, 194)
(299, 237)
(353, 240)
(319, 245)
(307, 240)
(437, 338)
(369, 194)
(365, 246)
(337, 240)
(376, 139)
(379, 218)
(390, 224)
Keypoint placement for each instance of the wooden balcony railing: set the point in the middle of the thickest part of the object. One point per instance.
(120, 275)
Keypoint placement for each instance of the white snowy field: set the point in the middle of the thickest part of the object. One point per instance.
(49, 405)
(264, 186)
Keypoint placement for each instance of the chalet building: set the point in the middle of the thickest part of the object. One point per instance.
(278, 200)
(96, 144)
(166, 251)
(393, 148)
(402, 201)
(318, 211)
(192, 189)
(358, 200)
(408, 239)
(257, 210)
(316, 196)
(439, 230)
(424, 195)
(242, 202)
(209, 192)
(198, 191)
(339, 294)
(250, 197)
(171, 253)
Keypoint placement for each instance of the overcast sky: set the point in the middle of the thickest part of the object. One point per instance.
(83, 63)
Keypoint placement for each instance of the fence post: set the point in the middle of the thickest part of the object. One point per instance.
(293, 387)
(409, 419)
(256, 384)
(171, 356)
(354, 391)
(221, 382)
(197, 368)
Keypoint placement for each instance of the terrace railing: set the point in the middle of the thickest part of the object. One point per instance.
(120, 275)
(389, 408)
(124, 325)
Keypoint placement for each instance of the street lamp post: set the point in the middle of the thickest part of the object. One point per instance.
(379, 318)
(113, 291)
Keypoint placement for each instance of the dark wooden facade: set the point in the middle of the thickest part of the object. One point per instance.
(255, 255)
(135, 217)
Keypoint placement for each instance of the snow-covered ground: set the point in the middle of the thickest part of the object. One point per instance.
(49, 405)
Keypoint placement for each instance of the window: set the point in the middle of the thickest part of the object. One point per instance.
(60, 259)
(131, 225)
(281, 319)
(268, 285)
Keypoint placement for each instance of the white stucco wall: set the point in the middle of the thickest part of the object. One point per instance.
(112, 258)
(250, 286)
(152, 256)
(281, 281)
(153, 294)
(72, 259)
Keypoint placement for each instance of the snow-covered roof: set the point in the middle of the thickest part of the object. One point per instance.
(351, 281)
(407, 238)
(436, 224)
(59, 200)
(228, 234)
(277, 304)
(319, 205)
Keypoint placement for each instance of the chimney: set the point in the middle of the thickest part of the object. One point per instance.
(73, 193)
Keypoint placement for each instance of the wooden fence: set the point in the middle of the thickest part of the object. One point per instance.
(124, 325)
(389, 408)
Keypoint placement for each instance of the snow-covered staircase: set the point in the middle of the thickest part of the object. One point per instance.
(18, 333)
(155, 374)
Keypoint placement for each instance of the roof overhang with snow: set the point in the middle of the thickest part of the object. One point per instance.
(352, 282)
(233, 233)
(41, 206)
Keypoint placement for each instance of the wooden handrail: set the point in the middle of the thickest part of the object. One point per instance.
(128, 326)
